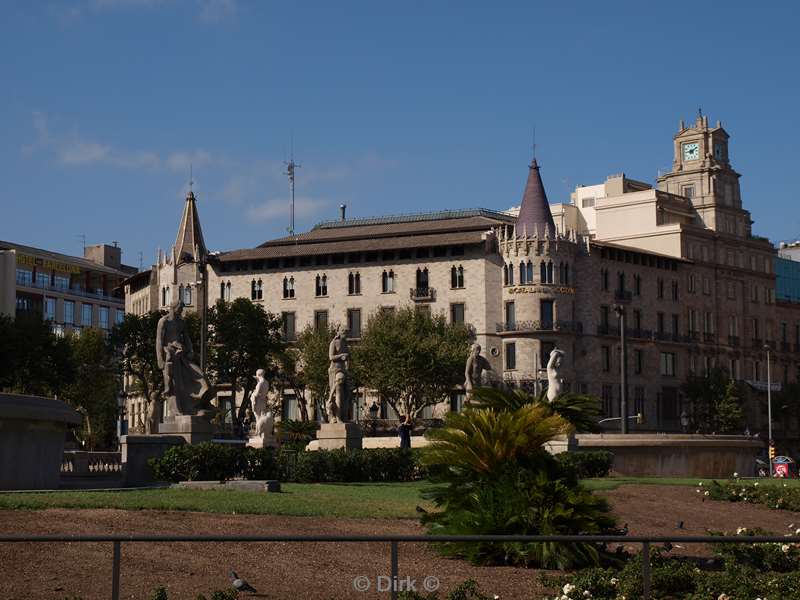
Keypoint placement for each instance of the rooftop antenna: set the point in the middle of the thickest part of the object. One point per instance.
(191, 178)
(533, 146)
(290, 167)
(141, 260)
(82, 238)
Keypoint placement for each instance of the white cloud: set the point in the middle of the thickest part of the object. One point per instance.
(278, 208)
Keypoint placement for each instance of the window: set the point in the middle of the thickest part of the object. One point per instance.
(457, 313)
(604, 279)
(605, 353)
(321, 285)
(660, 322)
(354, 284)
(638, 361)
(755, 328)
(187, 294)
(457, 251)
(511, 356)
(523, 274)
(24, 277)
(423, 252)
(693, 321)
(103, 317)
(42, 279)
(49, 309)
(546, 313)
(708, 322)
(637, 285)
(119, 316)
(86, 315)
(660, 287)
(706, 286)
(549, 272)
(511, 316)
(733, 368)
(69, 312)
(566, 274)
(505, 274)
(289, 332)
(387, 282)
(440, 251)
(668, 364)
(510, 280)
(604, 313)
(422, 279)
(637, 319)
(688, 191)
(638, 400)
(587, 202)
(675, 291)
(288, 287)
(731, 290)
(733, 326)
(457, 277)
(675, 324)
(61, 282)
(163, 296)
(256, 290)
(321, 319)
(692, 284)
(354, 323)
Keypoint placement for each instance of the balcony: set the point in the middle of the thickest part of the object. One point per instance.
(423, 294)
(533, 326)
(99, 294)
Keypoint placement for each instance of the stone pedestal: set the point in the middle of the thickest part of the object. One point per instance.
(332, 436)
(138, 449)
(192, 428)
(268, 441)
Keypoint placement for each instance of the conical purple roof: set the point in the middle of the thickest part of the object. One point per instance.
(534, 212)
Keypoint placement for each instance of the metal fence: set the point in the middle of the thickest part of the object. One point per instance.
(394, 541)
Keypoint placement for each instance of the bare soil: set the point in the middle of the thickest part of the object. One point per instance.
(311, 570)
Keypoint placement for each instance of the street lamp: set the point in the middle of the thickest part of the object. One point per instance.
(622, 298)
(769, 402)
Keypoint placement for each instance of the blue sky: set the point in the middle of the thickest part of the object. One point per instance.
(393, 107)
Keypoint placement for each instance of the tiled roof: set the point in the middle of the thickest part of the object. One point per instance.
(534, 212)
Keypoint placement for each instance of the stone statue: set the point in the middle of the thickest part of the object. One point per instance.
(475, 368)
(153, 413)
(338, 397)
(262, 409)
(555, 384)
(186, 389)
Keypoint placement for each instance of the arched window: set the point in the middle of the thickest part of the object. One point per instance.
(511, 274)
(180, 293)
(163, 296)
(253, 289)
(354, 283)
(621, 281)
(566, 273)
(187, 295)
(457, 276)
(529, 272)
(222, 291)
(169, 295)
(387, 282)
(561, 272)
(422, 279)
(259, 290)
(543, 272)
(288, 287)
(505, 274)
(522, 279)
(549, 272)
(321, 285)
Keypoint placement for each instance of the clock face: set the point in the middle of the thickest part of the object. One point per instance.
(691, 151)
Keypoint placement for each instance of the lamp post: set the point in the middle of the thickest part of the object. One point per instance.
(619, 309)
(769, 404)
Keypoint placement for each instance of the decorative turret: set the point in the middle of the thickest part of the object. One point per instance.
(189, 245)
(535, 218)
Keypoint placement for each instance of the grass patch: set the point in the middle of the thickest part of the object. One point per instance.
(612, 483)
(373, 500)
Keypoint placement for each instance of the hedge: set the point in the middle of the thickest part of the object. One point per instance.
(585, 465)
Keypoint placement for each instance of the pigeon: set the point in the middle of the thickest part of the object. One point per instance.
(239, 584)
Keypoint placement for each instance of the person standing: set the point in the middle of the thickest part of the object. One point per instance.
(404, 431)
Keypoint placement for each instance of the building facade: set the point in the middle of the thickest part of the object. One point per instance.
(697, 287)
(70, 292)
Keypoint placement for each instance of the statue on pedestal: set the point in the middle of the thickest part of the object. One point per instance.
(264, 416)
(475, 368)
(153, 413)
(555, 384)
(186, 389)
(338, 394)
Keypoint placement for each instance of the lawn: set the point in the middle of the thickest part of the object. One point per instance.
(365, 500)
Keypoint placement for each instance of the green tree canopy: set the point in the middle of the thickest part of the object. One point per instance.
(242, 338)
(134, 343)
(94, 390)
(411, 358)
(715, 402)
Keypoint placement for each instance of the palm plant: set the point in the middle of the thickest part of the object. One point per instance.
(492, 475)
(580, 410)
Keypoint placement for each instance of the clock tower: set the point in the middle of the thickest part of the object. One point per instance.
(702, 173)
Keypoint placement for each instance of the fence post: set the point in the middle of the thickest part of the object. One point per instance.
(115, 572)
(394, 571)
(645, 570)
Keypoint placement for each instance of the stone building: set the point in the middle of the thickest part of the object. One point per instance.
(698, 288)
(70, 292)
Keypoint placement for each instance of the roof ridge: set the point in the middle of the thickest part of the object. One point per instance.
(412, 217)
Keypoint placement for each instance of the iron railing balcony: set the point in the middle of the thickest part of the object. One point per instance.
(423, 294)
(565, 326)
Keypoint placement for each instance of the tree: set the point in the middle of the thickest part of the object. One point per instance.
(312, 356)
(134, 343)
(242, 338)
(410, 358)
(715, 403)
(94, 391)
(292, 376)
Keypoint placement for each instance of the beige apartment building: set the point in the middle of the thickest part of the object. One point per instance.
(70, 292)
(697, 287)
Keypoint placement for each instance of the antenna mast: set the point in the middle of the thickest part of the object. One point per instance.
(290, 167)
(82, 238)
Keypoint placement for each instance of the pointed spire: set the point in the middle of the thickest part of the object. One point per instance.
(189, 245)
(534, 212)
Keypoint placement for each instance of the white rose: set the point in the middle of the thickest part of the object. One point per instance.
(785, 548)
(755, 484)
(614, 581)
(568, 588)
(735, 475)
(740, 530)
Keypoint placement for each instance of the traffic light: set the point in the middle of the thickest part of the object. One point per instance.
(771, 453)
